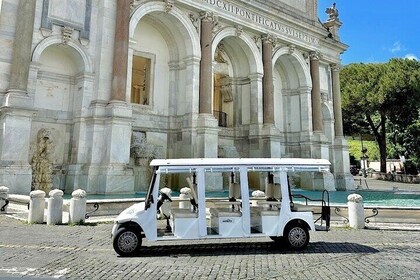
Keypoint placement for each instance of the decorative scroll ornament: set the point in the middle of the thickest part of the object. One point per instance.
(195, 19)
(219, 53)
(292, 49)
(239, 30)
(324, 97)
(169, 5)
(257, 41)
(134, 4)
(67, 33)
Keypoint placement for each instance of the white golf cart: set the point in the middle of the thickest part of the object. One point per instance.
(239, 214)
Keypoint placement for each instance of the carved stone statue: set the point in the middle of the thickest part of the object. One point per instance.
(41, 162)
(332, 13)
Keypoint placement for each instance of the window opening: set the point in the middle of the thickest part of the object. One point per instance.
(140, 82)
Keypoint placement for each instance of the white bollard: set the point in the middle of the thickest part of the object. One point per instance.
(77, 207)
(356, 211)
(36, 207)
(185, 193)
(257, 194)
(55, 207)
(4, 195)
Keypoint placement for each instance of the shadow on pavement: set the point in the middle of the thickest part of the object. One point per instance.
(248, 248)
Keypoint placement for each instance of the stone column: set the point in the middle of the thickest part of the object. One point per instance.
(338, 126)
(340, 156)
(316, 93)
(22, 52)
(119, 77)
(268, 87)
(16, 109)
(206, 72)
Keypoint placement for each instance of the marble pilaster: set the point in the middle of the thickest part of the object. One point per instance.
(256, 115)
(338, 117)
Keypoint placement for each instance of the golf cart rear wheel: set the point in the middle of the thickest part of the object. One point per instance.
(296, 236)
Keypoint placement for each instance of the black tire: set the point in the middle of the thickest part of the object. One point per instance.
(127, 241)
(296, 236)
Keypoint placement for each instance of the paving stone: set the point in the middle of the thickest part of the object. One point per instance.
(85, 252)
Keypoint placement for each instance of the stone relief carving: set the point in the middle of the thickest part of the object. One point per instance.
(226, 88)
(41, 162)
(143, 152)
(219, 53)
(67, 33)
(332, 13)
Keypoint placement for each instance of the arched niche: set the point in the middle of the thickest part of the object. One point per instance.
(169, 42)
(292, 89)
(244, 64)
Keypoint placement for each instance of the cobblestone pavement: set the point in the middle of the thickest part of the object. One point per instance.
(85, 252)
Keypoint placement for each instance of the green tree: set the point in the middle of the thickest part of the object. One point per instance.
(380, 96)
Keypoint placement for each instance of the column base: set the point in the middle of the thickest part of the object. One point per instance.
(16, 98)
(207, 136)
(265, 141)
(317, 181)
(344, 182)
(319, 146)
(341, 165)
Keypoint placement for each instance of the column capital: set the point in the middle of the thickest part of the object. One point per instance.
(315, 55)
(336, 67)
(268, 39)
(208, 16)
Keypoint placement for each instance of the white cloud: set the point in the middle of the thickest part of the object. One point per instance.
(411, 56)
(397, 47)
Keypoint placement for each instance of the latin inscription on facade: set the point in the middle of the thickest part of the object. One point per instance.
(264, 21)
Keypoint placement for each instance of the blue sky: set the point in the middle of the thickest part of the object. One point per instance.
(377, 30)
